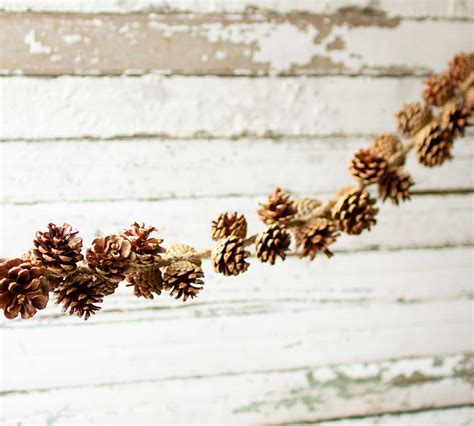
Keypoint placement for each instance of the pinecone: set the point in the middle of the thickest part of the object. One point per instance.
(80, 292)
(183, 279)
(146, 282)
(229, 224)
(315, 236)
(460, 67)
(183, 250)
(368, 166)
(23, 289)
(111, 256)
(433, 145)
(439, 89)
(454, 117)
(386, 145)
(278, 209)
(229, 256)
(147, 249)
(355, 212)
(469, 99)
(305, 206)
(271, 243)
(412, 118)
(58, 249)
(395, 185)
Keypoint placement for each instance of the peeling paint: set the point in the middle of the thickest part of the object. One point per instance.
(36, 47)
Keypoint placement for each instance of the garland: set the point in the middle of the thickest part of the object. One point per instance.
(79, 283)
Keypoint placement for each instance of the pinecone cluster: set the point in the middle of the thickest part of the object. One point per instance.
(55, 263)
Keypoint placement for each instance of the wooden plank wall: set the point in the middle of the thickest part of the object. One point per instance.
(114, 111)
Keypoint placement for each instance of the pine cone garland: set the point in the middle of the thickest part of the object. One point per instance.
(315, 236)
(58, 249)
(355, 212)
(183, 279)
(433, 145)
(80, 292)
(412, 118)
(146, 282)
(460, 67)
(146, 249)
(181, 251)
(454, 117)
(305, 207)
(439, 89)
(228, 224)
(271, 243)
(23, 289)
(229, 256)
(386, 145)
(278, 209)
(111, 256)
(367, 166)
(395, 185)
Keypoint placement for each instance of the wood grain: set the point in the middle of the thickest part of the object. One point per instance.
(305, 394)
(441, 9)
(349, 41)
(189, 107)
(188, 221)
(348, 279)
(141, 169)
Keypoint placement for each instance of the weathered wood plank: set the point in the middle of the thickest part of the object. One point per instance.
(106, 107)
(185, 346)
(426, 221)
(462, 416)
(405, 8)
(348, 279)
(350, 41)
(306, 394)
(148, 169)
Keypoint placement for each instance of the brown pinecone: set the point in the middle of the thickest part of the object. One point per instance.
(461, 66)
(111, 256)
(305, 206)
(454, 117)
(469, 98)
(438, 90)
(271, 243)
(183, 250)
(229, 256)
(58, 249)
(80, 292)
(355, 212)
(183, 279)
(315, 236)
(278, 209)
(433, 145)
(386, 145)
(146, 282)
(367, 166)
(23, 289)
(147, 249)
(412, 118)
(229, 224)
(395, 185)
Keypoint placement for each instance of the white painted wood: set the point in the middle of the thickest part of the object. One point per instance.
(448, 417)
(306, 394)
(348, 279)
(150, 169)
(107, 107)
(426, 221)
(247, 44)
(419, 9)
(184, 346)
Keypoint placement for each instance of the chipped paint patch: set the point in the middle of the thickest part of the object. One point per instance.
(36, 47)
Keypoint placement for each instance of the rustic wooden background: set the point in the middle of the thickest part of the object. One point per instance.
(168, 113)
